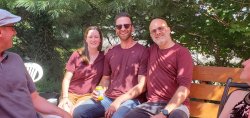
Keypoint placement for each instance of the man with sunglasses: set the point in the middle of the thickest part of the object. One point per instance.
(169, 76)
(123, 77)
(19, 98)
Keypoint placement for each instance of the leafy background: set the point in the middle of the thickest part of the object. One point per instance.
(51, 29)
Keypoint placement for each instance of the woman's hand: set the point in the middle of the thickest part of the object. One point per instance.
(65, 104)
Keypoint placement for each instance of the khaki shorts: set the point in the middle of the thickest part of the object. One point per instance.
(76, 99)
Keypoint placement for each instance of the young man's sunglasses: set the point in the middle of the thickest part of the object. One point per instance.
(119, 27)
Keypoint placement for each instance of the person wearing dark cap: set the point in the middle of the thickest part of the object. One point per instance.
(19, 98)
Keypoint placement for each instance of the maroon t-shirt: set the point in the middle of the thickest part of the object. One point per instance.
(16, 87)
(167, 70)
(85, 77)
(123, 66)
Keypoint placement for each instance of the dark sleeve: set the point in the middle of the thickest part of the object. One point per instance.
(144, 62)
(30, 84)
(184, 67)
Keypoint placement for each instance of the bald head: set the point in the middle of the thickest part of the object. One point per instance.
(158, 22)
(160, 33)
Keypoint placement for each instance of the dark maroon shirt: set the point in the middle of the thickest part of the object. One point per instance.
(123, 66)
(16, 87)
(85, 77)
(167, 70)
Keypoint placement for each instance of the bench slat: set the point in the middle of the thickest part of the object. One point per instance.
(206, 92)
(216, 74)
(203, 110)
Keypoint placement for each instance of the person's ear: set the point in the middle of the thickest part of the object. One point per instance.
(168, 29)
(133, 28)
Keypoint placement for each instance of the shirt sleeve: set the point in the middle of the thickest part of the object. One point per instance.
(184, 68)
(71, 64)
(144, 62)
(106, 67)
(30, 83)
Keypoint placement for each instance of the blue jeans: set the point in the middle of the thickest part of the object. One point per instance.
(149, 109)
(93, 109)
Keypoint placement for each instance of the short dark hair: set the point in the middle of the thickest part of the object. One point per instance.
(123, 14)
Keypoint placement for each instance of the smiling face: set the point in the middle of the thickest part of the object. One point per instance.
(160, 32)
(245, 74)
(7, 33)
(93, 39)
(124, 28)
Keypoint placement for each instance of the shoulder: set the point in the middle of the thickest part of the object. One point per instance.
(153, 46)
(181, 49)
(76, 53)
(13, 55)
(74, 56)
(113, 49)
(140, 46)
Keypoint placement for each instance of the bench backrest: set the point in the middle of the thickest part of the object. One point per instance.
(207, 89)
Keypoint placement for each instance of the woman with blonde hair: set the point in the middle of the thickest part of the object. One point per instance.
(83, 70)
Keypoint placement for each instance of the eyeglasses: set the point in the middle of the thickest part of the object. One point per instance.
(159, 29)
(119, 27)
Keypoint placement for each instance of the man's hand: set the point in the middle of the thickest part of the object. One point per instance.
(112, 109)
(160, 115)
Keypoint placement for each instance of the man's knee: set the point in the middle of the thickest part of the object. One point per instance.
(137, 113)
(131, 114)
(178, 114)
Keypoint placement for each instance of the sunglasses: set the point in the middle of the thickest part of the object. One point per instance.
(153, 31)
(119, 27)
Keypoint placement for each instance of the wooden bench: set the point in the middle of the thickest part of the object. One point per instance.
(205, 94)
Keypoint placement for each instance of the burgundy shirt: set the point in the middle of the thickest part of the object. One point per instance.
(85, 77)
(167, 70)
(16, 87)
(123, 66)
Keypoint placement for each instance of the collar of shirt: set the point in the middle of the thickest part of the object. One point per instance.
(4, 57)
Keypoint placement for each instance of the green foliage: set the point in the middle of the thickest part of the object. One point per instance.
(51, 29)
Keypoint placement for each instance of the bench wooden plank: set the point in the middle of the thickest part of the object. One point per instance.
(216, 74)
(203, 110)
(207, 92)
(206, 96)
